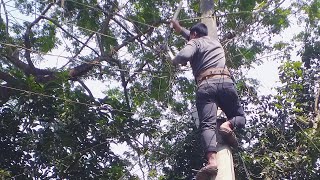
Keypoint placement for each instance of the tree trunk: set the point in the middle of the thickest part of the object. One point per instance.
(206, 8)
(224, 154)
(317, 112)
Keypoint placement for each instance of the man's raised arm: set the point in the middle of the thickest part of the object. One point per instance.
(181, 30)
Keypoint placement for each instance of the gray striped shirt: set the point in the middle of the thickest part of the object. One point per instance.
(202, 53)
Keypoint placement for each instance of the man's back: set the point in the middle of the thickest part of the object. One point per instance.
(209, 54)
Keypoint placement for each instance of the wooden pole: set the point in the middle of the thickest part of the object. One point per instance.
(224, 154)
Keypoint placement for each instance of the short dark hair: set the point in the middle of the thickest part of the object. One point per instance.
(200, 28)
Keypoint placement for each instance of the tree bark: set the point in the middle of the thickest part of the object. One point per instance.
(207, 9)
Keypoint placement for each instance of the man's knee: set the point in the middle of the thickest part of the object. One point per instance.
(238, 122)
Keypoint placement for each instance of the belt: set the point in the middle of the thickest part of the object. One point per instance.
(213, 76)
(215, 73)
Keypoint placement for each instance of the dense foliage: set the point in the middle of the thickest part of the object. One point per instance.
(54, 126)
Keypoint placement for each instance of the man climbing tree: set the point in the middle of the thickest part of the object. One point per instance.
(215, 88)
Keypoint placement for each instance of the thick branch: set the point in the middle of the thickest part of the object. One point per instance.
(74, 73)
(82, 69)
(27, 41)
(14, 59)
(7, 77)
(44, 75)
(5, 93)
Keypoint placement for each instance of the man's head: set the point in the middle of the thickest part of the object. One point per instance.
(198, 30)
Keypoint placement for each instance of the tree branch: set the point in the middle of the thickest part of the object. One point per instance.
(14, 59)
(6, 15)
(101, 34)
(126, 29)
(5, 93)
(44, 75)
(58, 25)
(7, 77)
(122, 73)
(122, 26)
(27, 41)
(82, 69)
(86, 88)
(316, 102)
(84, 45)
(125, 90)
(316, 120)
(102, 31)
(135, 73)
(131, 39)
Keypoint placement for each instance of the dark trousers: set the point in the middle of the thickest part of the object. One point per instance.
(209, 97)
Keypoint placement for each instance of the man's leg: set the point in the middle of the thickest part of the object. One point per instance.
(229, 102)
(209, 144)
(207, 111)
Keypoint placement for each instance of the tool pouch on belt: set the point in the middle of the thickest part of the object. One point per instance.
(211, 72)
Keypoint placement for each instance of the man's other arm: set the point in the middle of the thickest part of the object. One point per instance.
(186, 53)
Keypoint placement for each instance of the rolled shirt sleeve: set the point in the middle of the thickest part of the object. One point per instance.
(186, 53)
